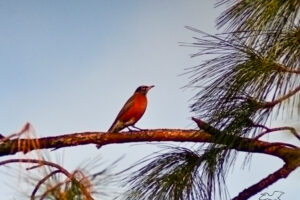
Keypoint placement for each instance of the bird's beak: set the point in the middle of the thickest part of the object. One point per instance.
(151, 86)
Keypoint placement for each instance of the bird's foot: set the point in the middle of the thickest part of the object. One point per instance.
(135, 129)
(130, 130)
(138, 129)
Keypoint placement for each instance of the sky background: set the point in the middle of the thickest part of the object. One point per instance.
(69, 66)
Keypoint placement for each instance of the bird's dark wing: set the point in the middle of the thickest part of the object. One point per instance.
(129, 103)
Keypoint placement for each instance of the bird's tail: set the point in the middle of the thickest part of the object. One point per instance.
(115, 128)
(111, 129)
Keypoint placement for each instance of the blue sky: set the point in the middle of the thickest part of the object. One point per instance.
(63, 55)
(69, 66)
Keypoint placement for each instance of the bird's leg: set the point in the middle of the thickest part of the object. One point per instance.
(130, 130)
(137, 128)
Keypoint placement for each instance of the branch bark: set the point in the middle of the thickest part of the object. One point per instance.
(157, 135)
(291, 156)
(283, 172)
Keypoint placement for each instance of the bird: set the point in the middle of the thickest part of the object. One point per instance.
(132, 111)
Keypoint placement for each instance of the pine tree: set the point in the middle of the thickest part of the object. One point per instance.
(251, 76)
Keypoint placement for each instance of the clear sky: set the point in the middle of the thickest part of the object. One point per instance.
(69, 66)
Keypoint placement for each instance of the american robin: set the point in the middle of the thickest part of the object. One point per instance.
(132, 111)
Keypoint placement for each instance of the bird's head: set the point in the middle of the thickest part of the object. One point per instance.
(143, 89)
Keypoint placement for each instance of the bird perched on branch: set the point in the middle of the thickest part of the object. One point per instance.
(132, 111)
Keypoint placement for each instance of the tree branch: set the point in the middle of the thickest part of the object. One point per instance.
(51, 164)
(36, 188)
(262, 184)
(284, 68)
(291, 156)
(176, 135)
(24, 129)
(270, 130)
(279, 100)
(40, 162)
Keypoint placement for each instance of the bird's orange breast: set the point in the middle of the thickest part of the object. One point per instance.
(136, 111)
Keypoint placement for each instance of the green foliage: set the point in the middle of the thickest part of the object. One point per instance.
(82, 184)
(287, 48)
(72, 190)
(245, 17)
(180, 174)
(255, 63)
(237, 74)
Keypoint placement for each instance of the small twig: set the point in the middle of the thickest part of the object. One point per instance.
(33, 167)
(43, 162)
(24, 129)
(82, 186)
(205, 126)
(41, 182)
(279, 100)
(261, 126)
(53, 188)
(270, 130)
(283, 144)
(284, 68)
(85, 192)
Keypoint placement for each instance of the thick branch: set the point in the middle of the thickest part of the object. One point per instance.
(176, 135)
(291, 156)
(269, 180)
